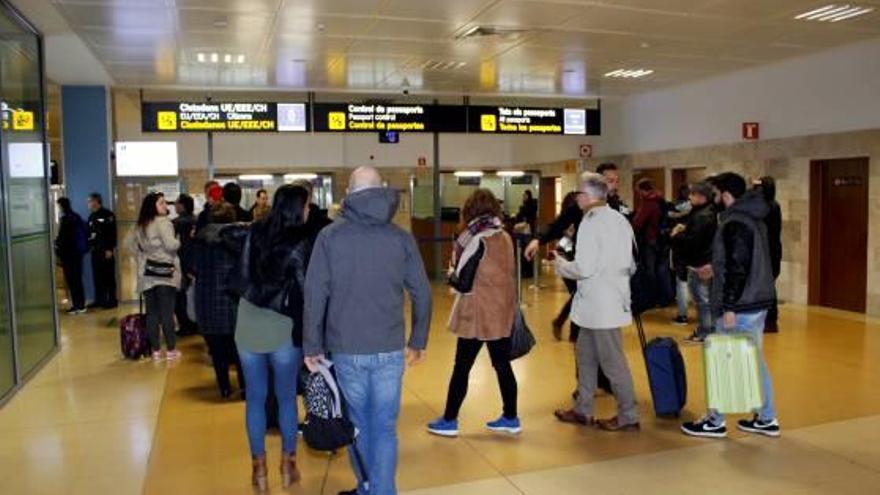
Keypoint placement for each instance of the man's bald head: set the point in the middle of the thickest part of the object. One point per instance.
(364, 178)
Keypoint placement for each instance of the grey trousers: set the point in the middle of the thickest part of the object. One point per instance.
(605, 348)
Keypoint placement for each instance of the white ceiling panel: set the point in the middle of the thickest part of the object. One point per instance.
(552, 46)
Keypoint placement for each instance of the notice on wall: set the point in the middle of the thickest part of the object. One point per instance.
(362, 117)
(222, 117)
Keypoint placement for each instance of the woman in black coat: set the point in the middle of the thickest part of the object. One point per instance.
(70, 247)
(214, 258)
(773, 220)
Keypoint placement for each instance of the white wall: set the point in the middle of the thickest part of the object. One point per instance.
(833, 91)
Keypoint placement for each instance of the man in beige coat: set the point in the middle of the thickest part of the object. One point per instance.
(602, 268)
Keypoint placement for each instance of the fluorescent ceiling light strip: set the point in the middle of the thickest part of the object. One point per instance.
(841, 13)
(464, 173)
(830, 12)
(816, 11)
(615, 73)
(255, 177)
(854, 14)
(510, 173)
(293, 177)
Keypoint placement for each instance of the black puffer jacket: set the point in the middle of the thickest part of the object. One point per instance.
(278, 285)
(693, 247)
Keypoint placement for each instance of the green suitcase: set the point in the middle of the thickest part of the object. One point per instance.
(733, 378)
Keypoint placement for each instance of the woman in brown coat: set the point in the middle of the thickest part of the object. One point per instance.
(485, 305)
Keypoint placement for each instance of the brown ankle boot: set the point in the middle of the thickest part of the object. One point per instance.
(289, 471)
(260, 476)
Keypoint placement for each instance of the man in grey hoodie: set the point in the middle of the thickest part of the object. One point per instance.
(359, 268)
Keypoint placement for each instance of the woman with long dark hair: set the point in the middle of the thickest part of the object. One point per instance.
(484, 310)
(155, 245)
(268, 330)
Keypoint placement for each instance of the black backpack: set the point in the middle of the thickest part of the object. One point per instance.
(326, 427)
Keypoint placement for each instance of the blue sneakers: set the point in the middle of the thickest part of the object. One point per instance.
(443, 427)
(505, 425)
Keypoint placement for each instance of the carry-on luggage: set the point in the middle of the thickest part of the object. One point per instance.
(133, 335)
(733, 379)
(666, 373)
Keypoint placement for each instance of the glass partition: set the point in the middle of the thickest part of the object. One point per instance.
(27, 258)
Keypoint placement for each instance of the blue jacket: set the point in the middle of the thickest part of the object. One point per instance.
(359, 269)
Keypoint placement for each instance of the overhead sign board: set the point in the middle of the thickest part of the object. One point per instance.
(373, 117)
(222, 117)
(528, 120)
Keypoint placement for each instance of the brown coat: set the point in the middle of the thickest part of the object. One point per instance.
(487, 312)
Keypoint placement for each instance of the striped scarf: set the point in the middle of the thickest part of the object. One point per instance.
(477, 225)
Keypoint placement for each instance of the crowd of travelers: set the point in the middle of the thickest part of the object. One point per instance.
(277, 290)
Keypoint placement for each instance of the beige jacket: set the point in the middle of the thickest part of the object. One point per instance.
(158, 243)
(602, 268)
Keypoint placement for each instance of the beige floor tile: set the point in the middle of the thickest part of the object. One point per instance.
(495, 486)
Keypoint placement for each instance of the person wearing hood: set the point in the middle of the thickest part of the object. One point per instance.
(354, 305)
(742, 292)
(767, 186)
(213, 260)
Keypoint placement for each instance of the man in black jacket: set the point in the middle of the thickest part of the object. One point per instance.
(184, 227)
(742, 292)
(767, 186)
(692, 242)
(102, 242)
(232, 195)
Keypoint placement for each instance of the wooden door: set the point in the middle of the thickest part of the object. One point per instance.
(839, 233)
(547, 200)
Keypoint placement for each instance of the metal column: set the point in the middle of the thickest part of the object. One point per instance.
(438, 221)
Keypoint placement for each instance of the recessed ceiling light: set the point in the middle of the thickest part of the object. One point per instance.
(215, 58)
(629, 73)
(227, 58)
(834, 13)
(200, 57)
(240, 59)
(255, 177)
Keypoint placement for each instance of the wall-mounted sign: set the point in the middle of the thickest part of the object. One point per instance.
(222, 117)
(146, 159)
(751, 131)
(372, 117)
(528, 120)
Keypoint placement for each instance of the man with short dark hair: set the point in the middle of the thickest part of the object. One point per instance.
(692, 242)
(184, 227)
(232, 195)
(609, 171)
(102, 242)
(742, 292)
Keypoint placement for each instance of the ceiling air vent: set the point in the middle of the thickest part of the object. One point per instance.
(485, 31)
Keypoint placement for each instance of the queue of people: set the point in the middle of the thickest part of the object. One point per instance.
(281, 286)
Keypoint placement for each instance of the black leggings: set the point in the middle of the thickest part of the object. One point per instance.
(223, 354)
(160, 311)
(465, 354)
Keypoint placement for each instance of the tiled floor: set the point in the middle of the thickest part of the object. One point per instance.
(92, 423)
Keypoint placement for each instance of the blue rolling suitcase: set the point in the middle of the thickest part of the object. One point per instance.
(666, 374)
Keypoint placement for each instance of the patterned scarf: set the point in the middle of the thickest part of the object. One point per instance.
(477, 225)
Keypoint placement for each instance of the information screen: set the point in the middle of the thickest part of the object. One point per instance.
(363, 117)
(528, 120)
(146, 159)
(222, 117)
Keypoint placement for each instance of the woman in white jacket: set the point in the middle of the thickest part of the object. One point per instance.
(602, 268)
(154, 244)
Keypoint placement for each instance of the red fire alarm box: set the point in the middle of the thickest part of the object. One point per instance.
(751, 131)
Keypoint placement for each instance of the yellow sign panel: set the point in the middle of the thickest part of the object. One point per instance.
(488, 123)
(166, 121)
(336, 121)
(23, 120)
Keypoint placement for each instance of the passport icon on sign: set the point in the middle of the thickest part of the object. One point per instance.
(336, 121)
(488, 123)
(167, 121)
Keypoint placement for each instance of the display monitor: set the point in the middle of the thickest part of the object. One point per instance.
(146, 159)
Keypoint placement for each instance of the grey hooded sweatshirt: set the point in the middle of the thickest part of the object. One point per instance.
(358, 271)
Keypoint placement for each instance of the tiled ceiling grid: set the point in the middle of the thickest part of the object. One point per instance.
(561, 47)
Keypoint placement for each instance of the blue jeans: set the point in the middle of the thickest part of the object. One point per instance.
(700, 290)
(753, 325)
(372, 386)
(285, 363)
(681, 297)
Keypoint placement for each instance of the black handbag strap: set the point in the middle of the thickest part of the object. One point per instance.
(641, 331)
